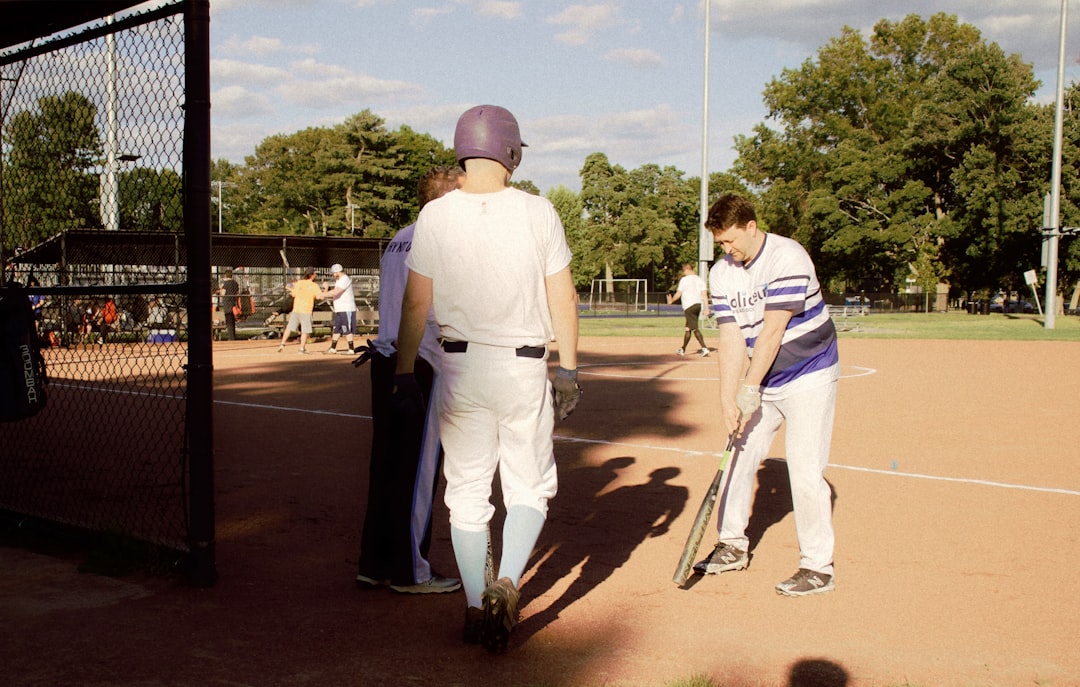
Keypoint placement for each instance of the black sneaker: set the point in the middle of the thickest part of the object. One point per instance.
(500, 614)
(722, 559)
(806, 582)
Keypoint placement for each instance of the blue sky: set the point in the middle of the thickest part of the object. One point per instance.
(621, 77)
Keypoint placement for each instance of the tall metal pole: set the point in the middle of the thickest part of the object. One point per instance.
(1055, 183)
(110, 203)
(202, 567)
(705, 241)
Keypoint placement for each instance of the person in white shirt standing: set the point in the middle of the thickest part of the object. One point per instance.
(344, 308)
(694, 295)
(493, 263)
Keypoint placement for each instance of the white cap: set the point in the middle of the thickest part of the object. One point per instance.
(336, 267)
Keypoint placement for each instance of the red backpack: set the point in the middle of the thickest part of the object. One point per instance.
(108, 312)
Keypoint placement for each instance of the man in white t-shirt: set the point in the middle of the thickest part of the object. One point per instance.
(493, 264)
(344, 308)
(694, 295)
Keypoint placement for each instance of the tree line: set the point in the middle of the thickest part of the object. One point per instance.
(915, 155)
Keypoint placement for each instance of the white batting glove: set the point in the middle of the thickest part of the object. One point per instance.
(748, 399)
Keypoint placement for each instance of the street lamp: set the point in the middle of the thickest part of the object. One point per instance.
(352, 218)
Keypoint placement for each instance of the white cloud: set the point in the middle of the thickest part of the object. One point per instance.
(635, 57)
(423, 15)
(502, 9)
(582, 22)
(261, 46)
(245, 73)
(239, 102)
(344, 89)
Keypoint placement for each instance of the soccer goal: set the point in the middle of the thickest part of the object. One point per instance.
(619, 294)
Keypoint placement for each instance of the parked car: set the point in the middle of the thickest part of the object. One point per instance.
(860, 302)
(1012, 307)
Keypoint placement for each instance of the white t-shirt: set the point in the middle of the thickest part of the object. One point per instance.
(393, 275)
(691, 290)
(346, 300)
(488, 256)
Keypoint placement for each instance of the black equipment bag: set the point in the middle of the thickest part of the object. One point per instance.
(22, 367)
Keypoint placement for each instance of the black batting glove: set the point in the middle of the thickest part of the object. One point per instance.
(566, 392)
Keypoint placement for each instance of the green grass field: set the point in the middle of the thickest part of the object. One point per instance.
(995, 327)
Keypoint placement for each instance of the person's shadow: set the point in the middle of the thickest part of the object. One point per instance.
(597, 530)
(817, 672)
(772, 501)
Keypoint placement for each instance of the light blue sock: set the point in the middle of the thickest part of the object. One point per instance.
(520, 532)
(470, 550)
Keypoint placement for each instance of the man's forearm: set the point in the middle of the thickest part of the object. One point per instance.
(414, 310)
(562, 304)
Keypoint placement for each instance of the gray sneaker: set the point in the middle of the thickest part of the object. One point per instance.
(722, 559)
(806, 582)
(367, 582)
(436, 585)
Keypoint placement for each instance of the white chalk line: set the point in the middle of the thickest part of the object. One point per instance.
(877, 471)
(630, 445)
(584, 369)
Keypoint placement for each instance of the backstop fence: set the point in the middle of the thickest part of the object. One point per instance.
(107, 130)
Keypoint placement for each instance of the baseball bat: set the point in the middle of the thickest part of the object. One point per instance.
(701, 522)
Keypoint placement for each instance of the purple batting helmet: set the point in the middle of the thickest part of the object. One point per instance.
(490, 132)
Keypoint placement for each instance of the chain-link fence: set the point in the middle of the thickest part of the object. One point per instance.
(93, 127)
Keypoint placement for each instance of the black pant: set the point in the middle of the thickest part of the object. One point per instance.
(230, 325)
(386, 542)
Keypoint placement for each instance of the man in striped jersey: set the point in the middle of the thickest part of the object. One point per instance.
(778, 364)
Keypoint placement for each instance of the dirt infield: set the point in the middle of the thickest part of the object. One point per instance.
(957, 503)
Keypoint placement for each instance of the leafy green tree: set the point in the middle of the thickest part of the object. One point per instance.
(604, 199)
(640, 224)
(418, 153)
(50, 182)
(151, 200)
(379, 183)
(880, 146)
(583, 265)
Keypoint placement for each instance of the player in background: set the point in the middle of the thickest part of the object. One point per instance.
(405, 447)
(694, 295)
(303, 291)
(778, 364)
(494, 264)
(344, 308)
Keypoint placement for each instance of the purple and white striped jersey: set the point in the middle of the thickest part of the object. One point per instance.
(780, 277)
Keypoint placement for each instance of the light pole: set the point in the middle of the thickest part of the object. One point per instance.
(705, 239)
(352, 218)
(1055, 184)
